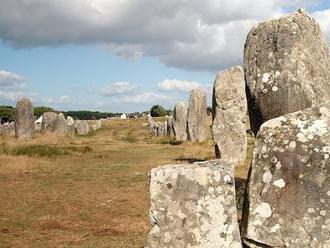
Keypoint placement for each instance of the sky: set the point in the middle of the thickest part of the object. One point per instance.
(126, 55)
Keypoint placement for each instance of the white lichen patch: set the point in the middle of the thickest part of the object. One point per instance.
(280, 183)
(308, 129)
(274, 88)
(227, 179)
(267, 177)
(265, 77)
(275, 228)
(310, 210)
(278, 165)
(263, 210)
(323, 212)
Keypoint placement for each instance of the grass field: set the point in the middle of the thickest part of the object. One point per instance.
(85, 191)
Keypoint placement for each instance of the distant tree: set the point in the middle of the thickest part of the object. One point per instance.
(7, 113)
(157, 111)
(38, 111)
(209, 110)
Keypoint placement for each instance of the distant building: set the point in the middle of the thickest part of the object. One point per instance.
(39, 120)
(123, 117)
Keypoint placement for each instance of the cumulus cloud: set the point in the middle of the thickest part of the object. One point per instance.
(142, 97)
(195, 35)
(118, 88)
(178, 85)
(10, 79)
(61, 100)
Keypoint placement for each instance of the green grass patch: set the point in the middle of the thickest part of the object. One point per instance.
(41, 150)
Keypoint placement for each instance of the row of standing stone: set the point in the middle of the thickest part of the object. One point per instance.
(25, 125)
(185, 124)
(287, 75)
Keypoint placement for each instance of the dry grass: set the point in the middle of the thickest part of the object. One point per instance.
(84, 191)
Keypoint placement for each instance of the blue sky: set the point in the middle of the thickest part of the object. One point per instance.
(103, 55)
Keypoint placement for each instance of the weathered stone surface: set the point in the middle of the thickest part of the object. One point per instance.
(289, 186)
(8, 129)
(24, 121)
(70, 121)
(97, 125)
(229, 109)
(180, 122)
(193, 205)
(197, 116)
(81, 127)
(170, 130)
(162, 128)
(287, 67)
(60, 125)
(48, 122)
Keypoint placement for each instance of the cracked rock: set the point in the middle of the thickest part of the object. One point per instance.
(289, 186)
(193, 205)
(229, 109)
(286, 66)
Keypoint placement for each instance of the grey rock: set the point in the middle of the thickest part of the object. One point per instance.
(197, 116)
(193, 205)
(24, 120)
(97, 125)
(60, 125)
(287, 67)
(229, 108)
(70, 121)
(180, 122)
(48, 122)
(289, 186)
(8, 129)
(81, 127)
(170, 129)
(162, 128)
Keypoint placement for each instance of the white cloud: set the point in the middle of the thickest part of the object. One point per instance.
(142, 97)
(323, 17)
(9, 79)
(199, 35)
(61, 100)
(118, 88)
(178, 85)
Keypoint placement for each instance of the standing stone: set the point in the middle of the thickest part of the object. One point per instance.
(24, 122)
(229, 109)
(70, 122)
(180, 122)
(8, 129)
(170, 130)
(193, 205)
(287, 67)
(81, 127)
(48, 122)
(97, 125)
(61, 126)
(289, 186)
(162, 128)
(197, 116)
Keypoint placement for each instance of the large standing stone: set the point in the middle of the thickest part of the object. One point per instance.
(193, 205)
(289, 186)
(170, 130)
(197, 116)
(81, 127)
(229, 109)
(180, 122)
(61, 126)
(48, 122)
(287, 67)
(70, 122)
(24, 122)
